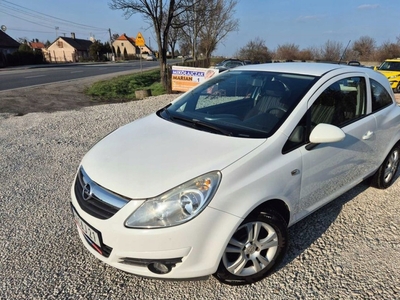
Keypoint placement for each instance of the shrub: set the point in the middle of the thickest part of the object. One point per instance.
(123, 87)
(20, 58)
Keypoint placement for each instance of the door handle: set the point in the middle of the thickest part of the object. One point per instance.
(295, 172)
(368, 135)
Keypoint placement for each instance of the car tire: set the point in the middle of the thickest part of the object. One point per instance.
(386, 174)
(256, 246)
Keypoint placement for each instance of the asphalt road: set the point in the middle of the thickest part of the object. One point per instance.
(14, 78)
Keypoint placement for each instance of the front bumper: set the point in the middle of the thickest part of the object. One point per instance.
(189, 250)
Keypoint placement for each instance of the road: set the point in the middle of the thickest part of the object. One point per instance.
(33, 76)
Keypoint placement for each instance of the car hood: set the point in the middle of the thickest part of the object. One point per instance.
(150, 156)
(389, 74)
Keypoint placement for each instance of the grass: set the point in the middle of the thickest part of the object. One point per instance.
(122, 88)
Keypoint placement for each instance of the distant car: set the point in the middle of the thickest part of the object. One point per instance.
(229, 64)
(391, 69)
(210, 183)
(151, 58)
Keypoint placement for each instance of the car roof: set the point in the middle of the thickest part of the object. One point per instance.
(315, 69)
(312, 69)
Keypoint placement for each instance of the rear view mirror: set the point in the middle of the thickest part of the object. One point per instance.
(326, 133)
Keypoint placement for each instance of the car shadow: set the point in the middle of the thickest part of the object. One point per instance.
(307, 231)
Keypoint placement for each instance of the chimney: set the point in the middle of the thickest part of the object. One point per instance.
(73, 35)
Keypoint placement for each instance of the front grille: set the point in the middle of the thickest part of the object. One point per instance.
(98, 202)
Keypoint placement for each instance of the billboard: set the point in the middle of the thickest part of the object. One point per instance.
(185, 78)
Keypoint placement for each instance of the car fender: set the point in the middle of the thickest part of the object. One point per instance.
(257, 178)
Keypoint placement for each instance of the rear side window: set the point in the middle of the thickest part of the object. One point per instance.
(380, 96)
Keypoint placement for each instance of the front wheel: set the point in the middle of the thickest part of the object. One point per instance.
(384, 177)
(254, 249)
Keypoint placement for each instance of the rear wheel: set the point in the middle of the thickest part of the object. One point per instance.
(384, 177)
(254, 249)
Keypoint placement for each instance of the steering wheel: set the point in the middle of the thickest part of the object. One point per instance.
(276, 108)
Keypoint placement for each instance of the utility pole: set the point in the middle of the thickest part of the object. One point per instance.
(112, 49)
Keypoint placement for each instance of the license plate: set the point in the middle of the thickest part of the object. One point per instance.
(86, 229)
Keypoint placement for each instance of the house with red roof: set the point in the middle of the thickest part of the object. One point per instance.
(125, 47)
(37, 46)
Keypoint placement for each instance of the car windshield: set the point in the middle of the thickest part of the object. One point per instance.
(390, 66)
(249, 104)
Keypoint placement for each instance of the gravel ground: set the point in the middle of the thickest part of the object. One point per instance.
(350, 249)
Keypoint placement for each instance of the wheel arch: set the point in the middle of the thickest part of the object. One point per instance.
(394, 143)
(276, 205)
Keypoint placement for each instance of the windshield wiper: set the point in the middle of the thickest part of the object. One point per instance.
(198, 124)
(212, 127)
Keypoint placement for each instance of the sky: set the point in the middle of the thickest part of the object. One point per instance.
(305, 23)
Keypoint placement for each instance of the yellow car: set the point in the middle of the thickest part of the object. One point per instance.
(391, 69)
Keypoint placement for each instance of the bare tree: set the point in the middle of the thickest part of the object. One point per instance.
(255, 50)
(331, 51)
(185, 46)
(287, 51)
(160, 14)
(308, 54)
(173, 38)
(365, 47)
(193, 20)
(207, 24)
(388, 50)
(350, 54)
(219, 23)
(114, 37)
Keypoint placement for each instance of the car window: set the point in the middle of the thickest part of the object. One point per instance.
(340, 104)
(390, 66)
(240, 103)
(380, 97)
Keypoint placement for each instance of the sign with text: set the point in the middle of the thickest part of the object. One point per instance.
(140, 42)
(185, 78)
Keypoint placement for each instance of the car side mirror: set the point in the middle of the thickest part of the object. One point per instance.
(326, 133)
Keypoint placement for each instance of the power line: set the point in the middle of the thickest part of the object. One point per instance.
(25, 19)
(20, 12)
(31, 13)
(25, 30)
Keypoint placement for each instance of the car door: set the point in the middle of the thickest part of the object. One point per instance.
(385, 116)
(329, 169)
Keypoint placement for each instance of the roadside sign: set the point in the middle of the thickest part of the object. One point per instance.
(185, 78)
(140, 42)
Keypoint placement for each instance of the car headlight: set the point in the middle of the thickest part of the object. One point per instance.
(394, 76)
(178, 205)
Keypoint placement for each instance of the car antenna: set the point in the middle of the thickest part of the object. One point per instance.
(344, 52)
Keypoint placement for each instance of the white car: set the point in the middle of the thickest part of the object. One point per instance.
(151, 58)
(210, 183)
